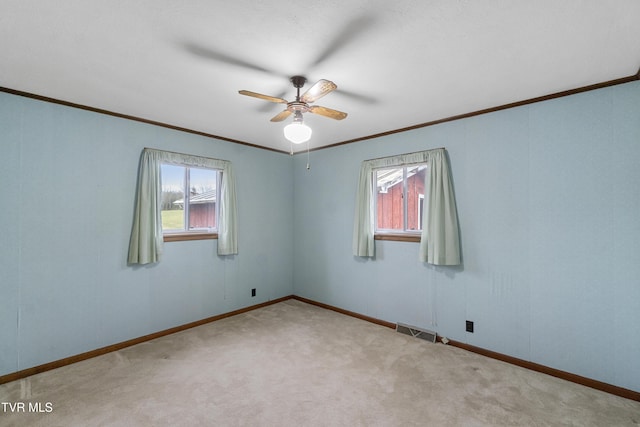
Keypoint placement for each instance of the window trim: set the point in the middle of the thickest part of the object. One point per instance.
(413, 237)
(188, 235)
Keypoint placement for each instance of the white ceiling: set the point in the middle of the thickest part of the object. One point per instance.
(396, 63)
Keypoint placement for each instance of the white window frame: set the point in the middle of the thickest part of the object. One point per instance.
(405, 209)
(421, 201)
(187, 205)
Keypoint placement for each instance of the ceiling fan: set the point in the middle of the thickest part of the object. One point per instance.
(301, 105)
(297, 132)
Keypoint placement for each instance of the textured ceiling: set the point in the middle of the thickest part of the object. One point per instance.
(396, 63)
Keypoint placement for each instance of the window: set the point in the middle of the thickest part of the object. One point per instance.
(399, 199)
(184, 174)
(189, 199)
(373, 220)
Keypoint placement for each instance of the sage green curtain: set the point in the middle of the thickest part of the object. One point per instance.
(145, 245)
(363, 244)
(439, 242)
(228, 220)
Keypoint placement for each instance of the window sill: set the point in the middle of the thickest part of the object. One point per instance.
(398, 237)
(194, 235)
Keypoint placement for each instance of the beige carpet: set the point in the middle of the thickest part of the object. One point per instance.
(293, 364)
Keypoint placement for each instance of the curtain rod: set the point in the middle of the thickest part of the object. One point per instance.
(405, 154)
(183, 154)
(171, 152)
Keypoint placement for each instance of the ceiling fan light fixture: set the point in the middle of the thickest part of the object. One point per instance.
(297, 132)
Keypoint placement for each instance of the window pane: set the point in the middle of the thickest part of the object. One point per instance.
(400, 198)
(415, 196)
(202, 205)
(389, 191)
(173, 197)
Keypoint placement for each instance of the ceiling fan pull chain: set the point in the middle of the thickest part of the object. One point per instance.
(308, 164)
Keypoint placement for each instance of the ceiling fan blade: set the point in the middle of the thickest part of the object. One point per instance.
(211, 54)
(261, 96)
(366, 99)
(281, 116)
(349, 32)
(318, 90)
(267, 107)
(327, 112)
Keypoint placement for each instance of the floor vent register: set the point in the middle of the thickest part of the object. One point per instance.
(416, 332)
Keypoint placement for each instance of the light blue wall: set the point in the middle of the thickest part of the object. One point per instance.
(549, 204)
(68, 179)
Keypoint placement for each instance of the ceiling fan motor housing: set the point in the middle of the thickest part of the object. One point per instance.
(298, 81)
(294, 106)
